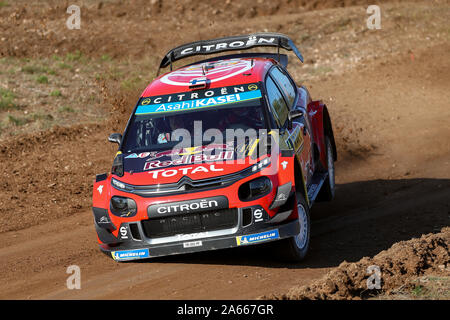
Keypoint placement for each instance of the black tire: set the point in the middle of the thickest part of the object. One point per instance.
(328, 189)
(295, 249)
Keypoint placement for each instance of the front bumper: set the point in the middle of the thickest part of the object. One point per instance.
(254, 233)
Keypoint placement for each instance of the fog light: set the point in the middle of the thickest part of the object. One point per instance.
(254, 189)
(123, 207)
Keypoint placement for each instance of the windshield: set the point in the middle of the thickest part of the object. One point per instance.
(149, 131)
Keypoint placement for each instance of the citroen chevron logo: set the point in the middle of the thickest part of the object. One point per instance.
(184, 180)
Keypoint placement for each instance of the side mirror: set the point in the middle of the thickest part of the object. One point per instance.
(297, 113)
(115, 138)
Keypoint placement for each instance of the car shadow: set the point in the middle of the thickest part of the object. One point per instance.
(365, 218)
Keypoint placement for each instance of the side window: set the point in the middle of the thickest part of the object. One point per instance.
(276, 101)
(285, 85)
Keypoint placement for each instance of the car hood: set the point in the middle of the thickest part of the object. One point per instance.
(169, 166)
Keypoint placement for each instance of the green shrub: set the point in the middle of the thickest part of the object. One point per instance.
(55, 93)
(63, 65)
(42, 79)
(66, 109)
(74, 56)
(7, 100)
(18, 121)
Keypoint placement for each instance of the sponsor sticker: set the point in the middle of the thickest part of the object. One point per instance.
(189, 159)
(189, 236)
(237, 42)
(258, 214)
(130, 254)
(192, 244)
(257, 237)
(166, 173)
(198, 103)
(182, 151)
(198, 99)
(188, 206)
(123, 233)
(103, 219)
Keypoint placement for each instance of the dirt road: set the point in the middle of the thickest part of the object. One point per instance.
(391, 118)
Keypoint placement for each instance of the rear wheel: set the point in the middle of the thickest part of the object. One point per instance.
(296, 248)
(328, 189)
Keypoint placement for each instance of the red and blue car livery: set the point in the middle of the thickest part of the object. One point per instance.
(224, 152)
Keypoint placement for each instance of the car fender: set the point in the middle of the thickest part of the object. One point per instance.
(321, 126)
(100, 191)
(293, 173)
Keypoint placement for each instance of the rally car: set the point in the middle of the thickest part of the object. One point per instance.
(224, 152)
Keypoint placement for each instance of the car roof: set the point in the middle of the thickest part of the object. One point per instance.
(220, 73)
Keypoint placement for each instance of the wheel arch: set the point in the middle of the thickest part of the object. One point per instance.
(300, 180)
(328, 130)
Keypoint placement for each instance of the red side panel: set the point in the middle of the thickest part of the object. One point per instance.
(100, 194)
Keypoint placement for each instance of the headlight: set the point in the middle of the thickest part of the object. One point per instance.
(254, 189)
(123, 207)
(261, 165)
(118, 184)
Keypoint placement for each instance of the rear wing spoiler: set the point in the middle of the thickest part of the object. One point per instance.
(244, 42)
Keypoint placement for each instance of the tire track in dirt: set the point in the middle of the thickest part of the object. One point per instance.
(249, 270)
(433, 194)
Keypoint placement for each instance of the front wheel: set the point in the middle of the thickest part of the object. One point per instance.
(296, 248)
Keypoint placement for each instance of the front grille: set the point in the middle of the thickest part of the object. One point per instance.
(190, 223)
(186, 184)
(135, 231)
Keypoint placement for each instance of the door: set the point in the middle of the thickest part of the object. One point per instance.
(299, 133)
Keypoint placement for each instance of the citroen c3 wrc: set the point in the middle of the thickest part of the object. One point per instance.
(225, 152)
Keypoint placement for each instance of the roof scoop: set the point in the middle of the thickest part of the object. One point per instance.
(209, 66)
